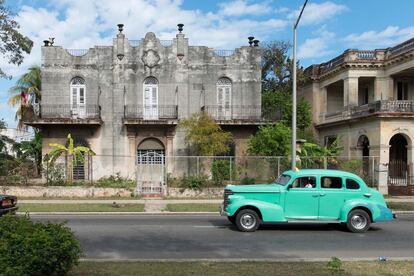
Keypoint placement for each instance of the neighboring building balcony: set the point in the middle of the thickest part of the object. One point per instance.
(43, 114)
(238, 114)
(381, 108)
(157, 114)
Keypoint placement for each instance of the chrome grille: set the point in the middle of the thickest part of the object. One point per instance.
(226, 197)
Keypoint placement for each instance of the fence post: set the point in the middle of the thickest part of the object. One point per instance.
(198, 165)
(373, 172)
(230, 168)
(325, 162)
(278, 166)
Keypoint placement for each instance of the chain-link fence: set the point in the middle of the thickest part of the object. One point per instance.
(156, 169)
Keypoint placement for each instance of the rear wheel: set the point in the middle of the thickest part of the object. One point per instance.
(247, 220)
(358, 221)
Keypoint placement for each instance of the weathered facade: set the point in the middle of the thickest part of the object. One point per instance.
(125, 100)
(367, 98)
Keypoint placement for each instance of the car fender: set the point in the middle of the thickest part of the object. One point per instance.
(352, 204)
(270, 212)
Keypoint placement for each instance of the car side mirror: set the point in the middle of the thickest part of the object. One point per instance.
(289, 187)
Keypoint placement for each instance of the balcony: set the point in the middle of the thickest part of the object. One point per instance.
(45, 114)
(380, 108)
(238, 114)
(161, 114)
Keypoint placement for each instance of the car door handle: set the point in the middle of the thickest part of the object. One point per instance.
(315, 195)
(322, 194)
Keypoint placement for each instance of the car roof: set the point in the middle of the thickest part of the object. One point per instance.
(306, 172)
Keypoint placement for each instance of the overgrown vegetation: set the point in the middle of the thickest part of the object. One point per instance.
(116, 181)
(222, 170)
(28, 248)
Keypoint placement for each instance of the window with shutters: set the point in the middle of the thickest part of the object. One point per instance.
(78, 97)
(224, 87)
(150, 98)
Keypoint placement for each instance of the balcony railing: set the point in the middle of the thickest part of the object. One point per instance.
(378, 107)
(160, 112)
(235, 112)
(67, 111)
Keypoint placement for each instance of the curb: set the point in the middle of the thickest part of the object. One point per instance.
(239, 260)
(152, 213)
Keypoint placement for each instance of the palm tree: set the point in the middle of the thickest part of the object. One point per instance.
(29, 84)
(77, 154)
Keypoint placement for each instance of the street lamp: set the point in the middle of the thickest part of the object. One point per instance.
(294, 90)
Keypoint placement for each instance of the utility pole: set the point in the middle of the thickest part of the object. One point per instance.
(294, 90)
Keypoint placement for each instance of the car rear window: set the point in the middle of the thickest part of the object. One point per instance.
(352, 184)
(331, 182)
(283, 179)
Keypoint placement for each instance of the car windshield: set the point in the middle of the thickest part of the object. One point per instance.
(282, 179)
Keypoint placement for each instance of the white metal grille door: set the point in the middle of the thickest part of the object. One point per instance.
(150, 171)
(224, 98)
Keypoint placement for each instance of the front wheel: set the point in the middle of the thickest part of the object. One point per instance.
(358, 221)
(247, 220)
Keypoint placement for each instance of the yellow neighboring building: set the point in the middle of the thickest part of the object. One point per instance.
(367, 97)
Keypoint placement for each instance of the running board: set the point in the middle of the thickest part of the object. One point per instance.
(313, 221)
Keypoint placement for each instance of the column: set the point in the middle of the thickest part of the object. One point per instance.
(351, 91)
(383, 88)
(323, 106)
(381, 165)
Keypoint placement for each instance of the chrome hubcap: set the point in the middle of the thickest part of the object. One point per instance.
(358, 222)
(248, 221)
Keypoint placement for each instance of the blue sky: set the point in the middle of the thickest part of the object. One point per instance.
(327, 29)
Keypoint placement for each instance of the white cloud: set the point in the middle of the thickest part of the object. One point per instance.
(83, 24)
(317, 47)
(390, 36)
(242, 7)
(318, 12)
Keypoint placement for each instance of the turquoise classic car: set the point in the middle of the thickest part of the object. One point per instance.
(306, 196)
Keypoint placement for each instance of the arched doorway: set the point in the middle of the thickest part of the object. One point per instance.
(150, 166)
(398, 162)
(363, 145)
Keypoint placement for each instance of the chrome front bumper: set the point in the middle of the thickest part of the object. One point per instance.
(222, 211)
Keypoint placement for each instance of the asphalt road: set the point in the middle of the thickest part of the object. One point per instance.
(182, 237)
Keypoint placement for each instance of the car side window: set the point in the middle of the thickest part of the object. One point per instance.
(331, 182)
(352, 184)
(306, 182)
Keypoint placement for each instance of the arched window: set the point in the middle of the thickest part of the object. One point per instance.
(224, 98)
(150, 98)
(151, 152)
(78, 97)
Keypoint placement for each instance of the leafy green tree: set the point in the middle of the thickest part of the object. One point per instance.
(30, 84)
(277, 67)
(13, 45)
(205, 136)
(271, 140)
(33, 149)
(4, 140)
(77, 153)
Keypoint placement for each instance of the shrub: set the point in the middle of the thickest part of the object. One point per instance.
(54, 173)
(247, 180)
(28, 248)
(220, 171)
(194, 182)
(116, 181)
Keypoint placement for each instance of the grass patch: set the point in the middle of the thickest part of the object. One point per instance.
(193, 207)
(242, 268)
(80, 198)
(90, 207)
(401, 206)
